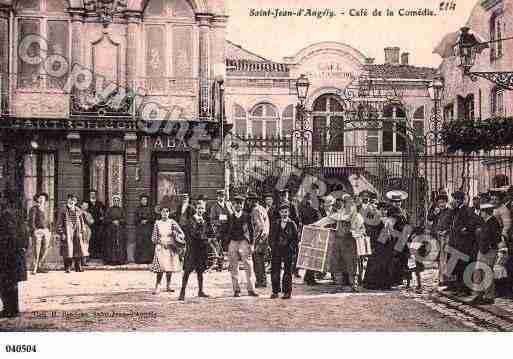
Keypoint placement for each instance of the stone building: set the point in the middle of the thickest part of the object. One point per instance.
(465, 98)
(74, 100)
(261, 100)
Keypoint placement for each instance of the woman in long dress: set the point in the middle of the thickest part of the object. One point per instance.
(168, 239)
(144, 218)
(115, 234)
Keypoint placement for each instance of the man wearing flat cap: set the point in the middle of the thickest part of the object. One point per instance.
(219, 214)
(462, 225)
(488, 237)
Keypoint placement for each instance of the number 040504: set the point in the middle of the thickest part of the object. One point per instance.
(20, 348)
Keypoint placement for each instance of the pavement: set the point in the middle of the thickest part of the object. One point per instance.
(122, 300)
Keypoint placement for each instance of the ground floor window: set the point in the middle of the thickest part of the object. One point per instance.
(39, 176)
(171, 176)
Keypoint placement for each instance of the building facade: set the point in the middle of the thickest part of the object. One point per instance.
(261, 100)
(85, 106)
(480, 99)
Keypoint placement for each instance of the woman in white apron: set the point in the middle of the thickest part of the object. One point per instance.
(350, 227)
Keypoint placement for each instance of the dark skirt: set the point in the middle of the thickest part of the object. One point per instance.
(115, 245)
(196, 257)
(380, 267)
(144, 247)
(96, 242)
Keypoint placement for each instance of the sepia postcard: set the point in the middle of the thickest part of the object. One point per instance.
(303, 166)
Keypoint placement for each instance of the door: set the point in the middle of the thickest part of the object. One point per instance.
(106, 176)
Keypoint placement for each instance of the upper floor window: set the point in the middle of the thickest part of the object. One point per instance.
(394, 132)
(264, 121)
(328, 123)
(497, 29)
(418, 125)
(497, 102)
(469, 107)
(48, 19)
(169, 8)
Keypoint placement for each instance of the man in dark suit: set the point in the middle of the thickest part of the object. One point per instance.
(488, 237)
(462, 227)
(13, 245)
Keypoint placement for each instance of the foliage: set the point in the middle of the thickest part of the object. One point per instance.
(473, 136)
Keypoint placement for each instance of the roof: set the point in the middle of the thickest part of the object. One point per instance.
(241, 60)
(390, 71)
(237, 52)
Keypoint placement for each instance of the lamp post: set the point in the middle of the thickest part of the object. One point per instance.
(302, 132)
(468, 47)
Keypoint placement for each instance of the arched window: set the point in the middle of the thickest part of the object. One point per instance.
(287, 121)
(328, 119)
(394, 133)
(169, 8)
(264, 121)
(50, 20)
(239, 117)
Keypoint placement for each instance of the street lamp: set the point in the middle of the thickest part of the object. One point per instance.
(467, 49)
(302, 85)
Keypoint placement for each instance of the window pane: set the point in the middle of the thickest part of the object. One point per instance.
(320, 104)
(48, 180)
(287, 126)
(419, 132)
(238, 111)
(388, 137)
(289, 111)
(30, 179)
(272, 128)
(28, 74)
(182, 8)
(97, 173)
(335, 106)
(269, 111)
(58, 45)
(257, 126)
(29, 5)
(400, 137)
(258, 111)
(372, 141)
(319, 124)
(155, 7)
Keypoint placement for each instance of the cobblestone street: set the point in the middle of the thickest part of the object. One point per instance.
(113, 300)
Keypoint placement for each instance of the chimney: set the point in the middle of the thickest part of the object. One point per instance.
(405, 58)
(392, 55)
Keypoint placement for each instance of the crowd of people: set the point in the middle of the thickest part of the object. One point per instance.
(182, 235)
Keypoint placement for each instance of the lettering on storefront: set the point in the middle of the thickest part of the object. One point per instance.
(331, 70)
(164, 142)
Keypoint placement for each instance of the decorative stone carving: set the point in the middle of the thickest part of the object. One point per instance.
(105, 9)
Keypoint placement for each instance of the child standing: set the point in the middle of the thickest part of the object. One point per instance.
(168, 237)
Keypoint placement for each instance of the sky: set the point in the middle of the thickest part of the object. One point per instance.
(276, 37)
